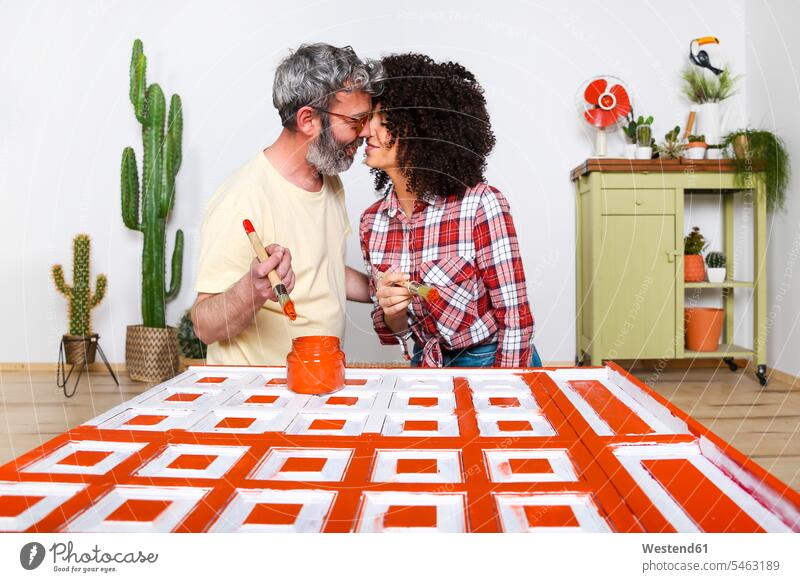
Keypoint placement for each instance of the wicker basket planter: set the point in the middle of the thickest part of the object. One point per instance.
(151, 353)
(80, 349)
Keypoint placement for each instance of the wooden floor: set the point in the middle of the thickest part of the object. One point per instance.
(763, 423)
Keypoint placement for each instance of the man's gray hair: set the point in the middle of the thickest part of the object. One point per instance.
(314, 73)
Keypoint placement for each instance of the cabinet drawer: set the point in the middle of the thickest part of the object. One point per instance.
(638, 201)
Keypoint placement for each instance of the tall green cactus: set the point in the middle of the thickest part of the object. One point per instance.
(148, 209)
(80, 296)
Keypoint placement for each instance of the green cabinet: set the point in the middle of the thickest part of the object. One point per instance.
(630, 293)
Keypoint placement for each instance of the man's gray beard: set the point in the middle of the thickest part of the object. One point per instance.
(327, 155)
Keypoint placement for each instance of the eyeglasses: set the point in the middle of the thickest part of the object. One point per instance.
(357, 123)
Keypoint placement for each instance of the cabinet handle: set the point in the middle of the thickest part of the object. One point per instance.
(638, 202)
(672, 254)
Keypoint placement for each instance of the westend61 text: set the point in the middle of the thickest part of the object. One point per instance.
(675, 549)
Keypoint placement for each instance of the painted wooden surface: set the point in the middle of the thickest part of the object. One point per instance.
(231, 449)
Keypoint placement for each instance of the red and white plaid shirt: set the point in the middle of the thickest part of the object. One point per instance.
(465, 247)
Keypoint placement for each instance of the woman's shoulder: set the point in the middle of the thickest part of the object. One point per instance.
(487, 196)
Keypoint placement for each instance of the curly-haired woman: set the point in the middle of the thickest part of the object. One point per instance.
(439, 222)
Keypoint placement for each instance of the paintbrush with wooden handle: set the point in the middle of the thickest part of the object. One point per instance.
(427, 292)
(280, 289)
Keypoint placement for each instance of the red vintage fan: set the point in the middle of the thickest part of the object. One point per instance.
(605, 103)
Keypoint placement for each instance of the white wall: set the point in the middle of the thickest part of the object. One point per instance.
(773, 95)
(65, 117)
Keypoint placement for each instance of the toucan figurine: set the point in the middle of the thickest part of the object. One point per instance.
(701, 58)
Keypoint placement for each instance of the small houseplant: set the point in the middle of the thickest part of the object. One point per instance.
(644, 141)
(671, 147)
(80, 345)
(693, 245)
(151, 349)
(191, 346)
(707, 90)
(757, 145)
(630, 133)
(696, 147)
(716, 267)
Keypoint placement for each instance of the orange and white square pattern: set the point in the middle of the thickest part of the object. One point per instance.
(229, 449)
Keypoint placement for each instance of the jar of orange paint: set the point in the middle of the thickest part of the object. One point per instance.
(315, 365)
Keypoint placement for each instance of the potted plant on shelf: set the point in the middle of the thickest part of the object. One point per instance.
(671, 147)
(758, 145)
(716, 267)
(193, 351)
(696, 147)
(630, 133)
(151, 349)
(707, 90)
(693, 245)
(80, 345)
(644, 140)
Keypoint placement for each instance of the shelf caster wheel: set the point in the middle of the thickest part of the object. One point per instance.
(731, 364)
(761, 374)
(578, 362)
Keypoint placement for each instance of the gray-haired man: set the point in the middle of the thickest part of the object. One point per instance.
(291, 193)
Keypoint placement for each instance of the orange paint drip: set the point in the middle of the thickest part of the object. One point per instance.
(288, 309)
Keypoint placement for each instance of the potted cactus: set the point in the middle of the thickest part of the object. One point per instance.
(716, 267)
(151, 349)
(693, 245)
(80, 344)
(696, 148)
(644, 141)
(630, 133)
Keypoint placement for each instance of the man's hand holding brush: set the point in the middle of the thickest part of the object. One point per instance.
(280, 260)
(221, 316)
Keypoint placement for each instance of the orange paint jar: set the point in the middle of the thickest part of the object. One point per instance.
(315, 365)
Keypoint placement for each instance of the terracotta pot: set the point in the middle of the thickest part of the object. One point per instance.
(80, 349)
(315, 365)
(151, 353)
(703, 327)
(694, 268)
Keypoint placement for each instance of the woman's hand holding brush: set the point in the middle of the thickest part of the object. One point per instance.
(393, 298)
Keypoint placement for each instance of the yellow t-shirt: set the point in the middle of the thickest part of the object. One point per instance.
(312, 225)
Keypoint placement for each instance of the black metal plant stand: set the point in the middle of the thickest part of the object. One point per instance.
(63, 377)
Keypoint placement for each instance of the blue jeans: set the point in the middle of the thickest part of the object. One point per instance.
(474, 357)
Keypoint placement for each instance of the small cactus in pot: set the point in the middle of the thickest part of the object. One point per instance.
(644, 140)
(80, 344)
(716, 267)
(696, 148)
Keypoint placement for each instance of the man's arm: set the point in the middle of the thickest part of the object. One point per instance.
(357, 285)
(222, 316)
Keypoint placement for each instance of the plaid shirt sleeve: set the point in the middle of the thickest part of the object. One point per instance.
(500, 263)
(385, 335)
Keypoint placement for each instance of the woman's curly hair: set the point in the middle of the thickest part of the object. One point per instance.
(436, 112)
